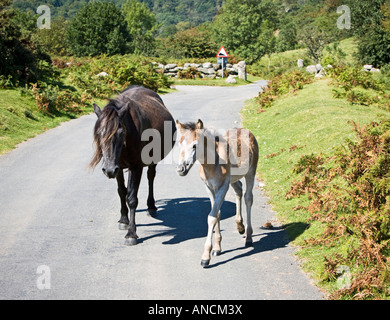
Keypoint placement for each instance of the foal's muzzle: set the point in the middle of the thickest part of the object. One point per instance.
(181, 170)
(186, 164)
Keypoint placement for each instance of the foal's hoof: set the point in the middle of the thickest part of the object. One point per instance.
(240, 228)
(216, 253)
(248, 243)
(130, 241)
(204, 263)
(123, 226)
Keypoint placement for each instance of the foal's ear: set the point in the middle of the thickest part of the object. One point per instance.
(97, 110)
(199, 124)
(179, 125)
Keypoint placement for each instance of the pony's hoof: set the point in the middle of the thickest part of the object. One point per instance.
(248, 243)
(123, 226)
(204, 263)
(130, 241)
(152, 212)
(216, 253)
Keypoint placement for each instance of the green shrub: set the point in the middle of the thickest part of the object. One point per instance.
(349, 77)
(359, 97)
(52, 99)
(6, 82)
(189, 73)
(289, 82)
(360, 87)
(122, 71)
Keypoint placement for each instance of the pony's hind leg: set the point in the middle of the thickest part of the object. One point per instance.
(123, 222)
(217, 249)
(250, 181)
(237, 186)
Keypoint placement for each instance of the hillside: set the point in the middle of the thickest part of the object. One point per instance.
(176, 15)
(169, 13)
(190, 12)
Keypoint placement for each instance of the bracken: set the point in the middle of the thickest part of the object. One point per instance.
(359, 209)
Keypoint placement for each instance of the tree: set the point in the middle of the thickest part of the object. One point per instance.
(53, 40)
(366, 14)
(287, 37)
(370, 23)
(195, 43)
(98, 28)
(190, 43)
(314, 40)
(141, 25)
(21, 57)
(240, 24)
(267, 40)
(374, 47)
(386, 16)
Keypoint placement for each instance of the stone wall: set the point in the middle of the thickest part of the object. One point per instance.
(206, 70)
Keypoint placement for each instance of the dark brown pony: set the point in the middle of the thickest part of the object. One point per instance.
(136, 119)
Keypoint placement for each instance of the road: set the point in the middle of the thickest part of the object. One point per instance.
(59, 234)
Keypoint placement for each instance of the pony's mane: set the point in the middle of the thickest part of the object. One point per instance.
(189, 126)
(105, 128)
(209, 132)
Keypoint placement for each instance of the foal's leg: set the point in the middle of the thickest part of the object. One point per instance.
(237, 186)
(250, 181)
(217, 249)
(122, 191)
(217, 236)
(212, 221)
(132, 201)
(151, 202)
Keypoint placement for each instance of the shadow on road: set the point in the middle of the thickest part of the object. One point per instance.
(270, 239)
(186, 218)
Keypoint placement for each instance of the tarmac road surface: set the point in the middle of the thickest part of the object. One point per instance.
(60, 237)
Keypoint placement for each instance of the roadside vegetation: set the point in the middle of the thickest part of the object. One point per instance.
(326, 167)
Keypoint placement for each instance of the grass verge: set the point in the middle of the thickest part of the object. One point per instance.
(20, 119)
(283, 62)
(308, 121)
(216, 82)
